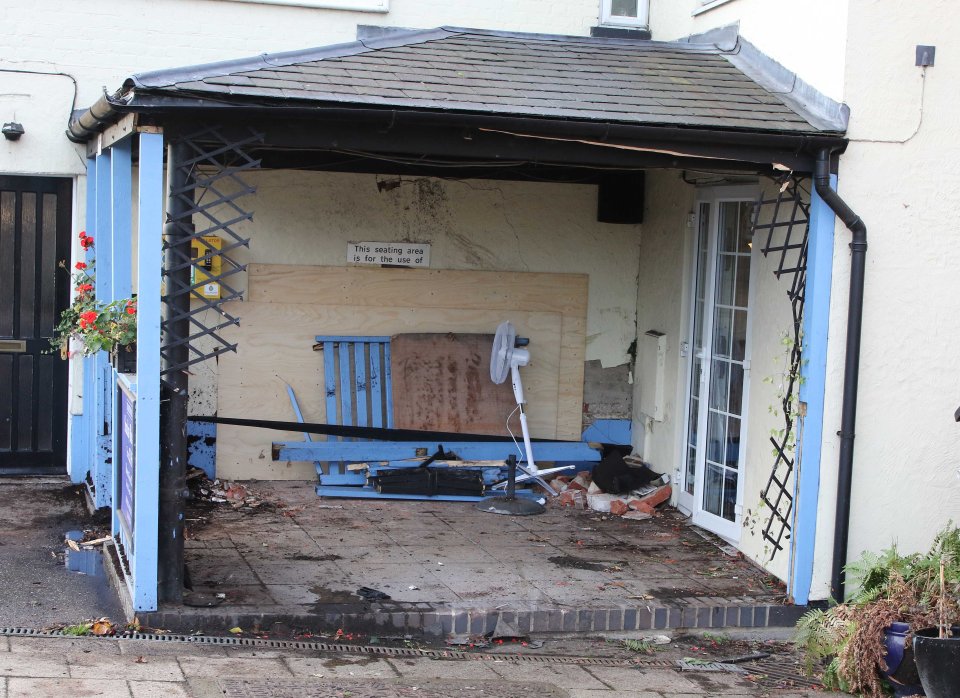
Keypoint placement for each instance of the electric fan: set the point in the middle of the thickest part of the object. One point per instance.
(506, 358)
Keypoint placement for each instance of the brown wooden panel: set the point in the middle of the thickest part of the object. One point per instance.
(565, 294)
(442, 382)
(275, 348)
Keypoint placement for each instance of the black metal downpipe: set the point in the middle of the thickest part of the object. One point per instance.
(851, 370)
(175, 389)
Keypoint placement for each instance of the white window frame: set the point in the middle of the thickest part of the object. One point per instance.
(353, 5)
(641, 21)
(707, 5)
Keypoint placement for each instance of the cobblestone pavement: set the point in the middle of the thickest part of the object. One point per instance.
(39, 667)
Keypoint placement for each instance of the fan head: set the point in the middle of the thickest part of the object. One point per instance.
(502, 352)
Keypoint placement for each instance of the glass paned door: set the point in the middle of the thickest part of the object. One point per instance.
(719, 366)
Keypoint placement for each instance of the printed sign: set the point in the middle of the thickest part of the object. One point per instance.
(403, 254)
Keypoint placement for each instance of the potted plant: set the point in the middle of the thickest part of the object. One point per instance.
(937, 650)
(850, 640)
(87, 325)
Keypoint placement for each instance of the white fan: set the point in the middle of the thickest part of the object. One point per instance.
(507, 358)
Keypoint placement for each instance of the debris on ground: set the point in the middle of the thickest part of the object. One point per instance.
(238, 496)
(369, 594)
(99, 627)
(583, 492)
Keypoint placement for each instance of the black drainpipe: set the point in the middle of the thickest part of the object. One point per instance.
(851, 371)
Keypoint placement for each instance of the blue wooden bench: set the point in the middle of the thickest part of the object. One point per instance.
(358, 393)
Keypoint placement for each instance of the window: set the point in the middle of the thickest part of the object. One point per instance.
(625, 13)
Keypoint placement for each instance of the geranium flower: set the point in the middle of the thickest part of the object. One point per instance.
(83, 288)
(81, 265)
(88, 318)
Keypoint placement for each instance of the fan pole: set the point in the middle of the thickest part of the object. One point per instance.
(531, 466)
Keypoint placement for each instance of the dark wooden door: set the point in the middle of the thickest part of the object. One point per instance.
(34, 242)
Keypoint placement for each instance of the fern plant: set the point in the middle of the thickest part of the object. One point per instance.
(846, 641)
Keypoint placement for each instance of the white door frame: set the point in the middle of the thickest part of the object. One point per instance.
(692, 504)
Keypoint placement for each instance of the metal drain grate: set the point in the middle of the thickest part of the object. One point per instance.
(777, 673)
(375, 650)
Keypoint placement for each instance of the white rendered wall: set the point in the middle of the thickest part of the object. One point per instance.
(101, 43)
(666, 263)
(899, 176)
(806, 36)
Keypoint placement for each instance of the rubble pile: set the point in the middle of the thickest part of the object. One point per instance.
(219, 491)
(581, 492)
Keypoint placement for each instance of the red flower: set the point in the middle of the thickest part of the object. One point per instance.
(86, 243)
(87, 319)
(81, 265)
(131, 310)
(83, 288)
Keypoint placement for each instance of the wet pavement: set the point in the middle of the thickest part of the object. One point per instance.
(38, 590)
(40, 667)
(299, 560)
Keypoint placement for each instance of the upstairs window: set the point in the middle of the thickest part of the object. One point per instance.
(625, 13)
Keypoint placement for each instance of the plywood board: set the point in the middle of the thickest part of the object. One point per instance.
(565, 294)
(275, 343)
(442, 382)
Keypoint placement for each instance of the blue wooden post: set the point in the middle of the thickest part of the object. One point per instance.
(816, 325)
(147, 477)
(120, 280)
(81, 425)
(103, 380)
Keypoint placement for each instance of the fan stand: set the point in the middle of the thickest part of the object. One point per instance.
(509, 504)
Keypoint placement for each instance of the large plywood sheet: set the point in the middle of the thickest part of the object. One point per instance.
(442, 382)
(565, 294)
(275, 343)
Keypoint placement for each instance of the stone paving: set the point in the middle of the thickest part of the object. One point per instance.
(450, 568)
(40, 667)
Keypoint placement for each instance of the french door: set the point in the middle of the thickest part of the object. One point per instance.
(719, 364)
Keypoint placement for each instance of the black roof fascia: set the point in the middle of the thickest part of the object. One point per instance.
(791, 151)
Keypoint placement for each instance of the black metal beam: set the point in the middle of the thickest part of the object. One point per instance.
(175, 387)
(567, 144)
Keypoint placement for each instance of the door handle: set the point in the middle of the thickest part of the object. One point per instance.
(13, 346)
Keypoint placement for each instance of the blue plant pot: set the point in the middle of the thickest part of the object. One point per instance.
(901, 668)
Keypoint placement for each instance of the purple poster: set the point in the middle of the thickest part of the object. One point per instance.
(128, 420)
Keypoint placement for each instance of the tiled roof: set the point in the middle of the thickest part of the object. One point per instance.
(467, 70)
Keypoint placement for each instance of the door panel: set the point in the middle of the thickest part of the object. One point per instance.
(34, 241)
(719, 366)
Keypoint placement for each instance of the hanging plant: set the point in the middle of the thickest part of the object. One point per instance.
(87, 325)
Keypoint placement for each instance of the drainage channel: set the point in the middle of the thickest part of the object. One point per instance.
(375, 650)
(769, 673)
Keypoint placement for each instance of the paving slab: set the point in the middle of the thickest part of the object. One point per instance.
(56, 688)
(219, 667)
(373, 688)
(124, 667)
(157, 689)
(37, 667)
(342, 667)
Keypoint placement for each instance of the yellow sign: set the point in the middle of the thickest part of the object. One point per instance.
(206, 264)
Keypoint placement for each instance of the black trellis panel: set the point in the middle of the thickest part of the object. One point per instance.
(786, 220)
(216, 186)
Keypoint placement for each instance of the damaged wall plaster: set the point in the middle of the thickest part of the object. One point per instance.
(308, 218)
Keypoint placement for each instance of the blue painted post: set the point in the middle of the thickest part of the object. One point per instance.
(81, 425)
(147, 476)
(121, 235)
(103, 408)
(816, 324)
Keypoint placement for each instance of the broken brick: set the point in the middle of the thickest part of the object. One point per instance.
(649, 502)
(619, 507)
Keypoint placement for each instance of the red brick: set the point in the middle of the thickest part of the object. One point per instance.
(648, 503)
(619, 507)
